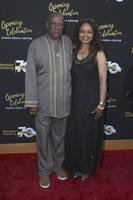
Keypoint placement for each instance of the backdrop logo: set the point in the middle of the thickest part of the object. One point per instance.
(15, 30)
(9, 132)
(26, 132)
(7, 66)
(111, 102)
(113, 67)
(20, 66)
(109, 33)
(109, 130)
(129, 114)
(119, 1)
(14, 101)
(63, 8)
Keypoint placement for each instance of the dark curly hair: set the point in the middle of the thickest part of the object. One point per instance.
(95, 43)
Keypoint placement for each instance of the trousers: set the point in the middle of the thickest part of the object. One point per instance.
(50, 143)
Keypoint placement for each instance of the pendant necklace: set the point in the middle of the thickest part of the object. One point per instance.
(56, 45)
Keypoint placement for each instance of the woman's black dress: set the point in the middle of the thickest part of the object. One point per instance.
(84, 136)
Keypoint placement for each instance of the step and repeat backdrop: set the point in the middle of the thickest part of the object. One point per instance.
(21, 21)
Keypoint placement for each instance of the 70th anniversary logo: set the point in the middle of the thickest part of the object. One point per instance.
(18, 66)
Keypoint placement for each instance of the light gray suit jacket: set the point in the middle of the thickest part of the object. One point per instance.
(48, 76)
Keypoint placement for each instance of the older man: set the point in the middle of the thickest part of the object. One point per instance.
(48, 95)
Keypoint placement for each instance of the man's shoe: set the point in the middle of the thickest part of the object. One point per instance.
(61, 174)
(84, 176)
(44, 182)
(76, 175)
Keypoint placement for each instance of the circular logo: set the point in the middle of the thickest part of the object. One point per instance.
(109, 130)
(113, 67)
(119, 0)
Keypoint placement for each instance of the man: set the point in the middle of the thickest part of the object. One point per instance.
(47, 95)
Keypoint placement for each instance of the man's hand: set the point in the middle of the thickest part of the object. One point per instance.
(33, 110)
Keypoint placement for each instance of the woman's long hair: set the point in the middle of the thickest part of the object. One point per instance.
(95, 43)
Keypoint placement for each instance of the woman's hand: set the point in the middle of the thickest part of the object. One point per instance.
(98, 112)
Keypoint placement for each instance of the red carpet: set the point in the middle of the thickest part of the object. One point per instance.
(112, 181)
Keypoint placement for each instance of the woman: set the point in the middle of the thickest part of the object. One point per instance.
(83, 142)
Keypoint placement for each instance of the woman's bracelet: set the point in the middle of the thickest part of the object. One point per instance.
(101, 105)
